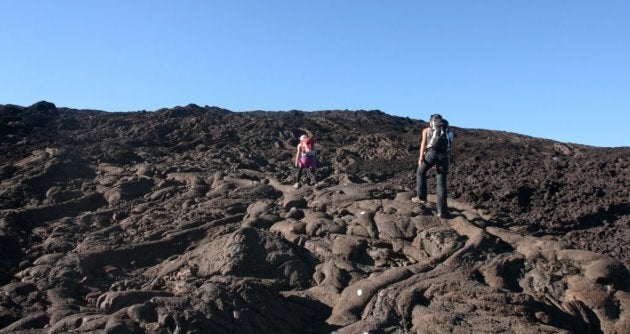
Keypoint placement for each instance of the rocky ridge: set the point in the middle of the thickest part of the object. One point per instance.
(183, 220)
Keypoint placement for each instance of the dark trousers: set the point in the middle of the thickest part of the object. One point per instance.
(440, 161)
(298, 175)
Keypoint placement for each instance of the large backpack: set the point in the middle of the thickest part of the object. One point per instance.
(309, 147)
(438, 135)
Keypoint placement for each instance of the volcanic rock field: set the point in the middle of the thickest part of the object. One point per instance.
(184, 220)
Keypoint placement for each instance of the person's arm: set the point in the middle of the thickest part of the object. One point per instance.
(297, 155)
(423, 147)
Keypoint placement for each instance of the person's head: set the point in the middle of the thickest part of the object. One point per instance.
(433, 118)
(302, 137)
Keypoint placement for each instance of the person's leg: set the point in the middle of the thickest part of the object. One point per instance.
(311, 163)
(441, 178)
(421, 175)
(421, 182)
(298, 174)
(313, 176)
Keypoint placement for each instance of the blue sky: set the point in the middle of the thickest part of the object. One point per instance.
(546, 68)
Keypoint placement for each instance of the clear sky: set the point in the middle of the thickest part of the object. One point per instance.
(557, 69)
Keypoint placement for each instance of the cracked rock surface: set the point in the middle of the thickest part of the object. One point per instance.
(185, 220)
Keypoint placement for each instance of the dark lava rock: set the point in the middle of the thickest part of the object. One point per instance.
(184, 220)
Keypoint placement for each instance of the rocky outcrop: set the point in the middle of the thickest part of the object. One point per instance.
(184, 220)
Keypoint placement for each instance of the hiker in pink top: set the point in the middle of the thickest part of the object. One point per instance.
(305, 157)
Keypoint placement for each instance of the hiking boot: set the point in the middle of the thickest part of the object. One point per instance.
(296, 185)
(418, 200)
(443, 215)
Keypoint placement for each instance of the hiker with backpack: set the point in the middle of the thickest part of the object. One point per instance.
(305, 157)
(435, 150)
